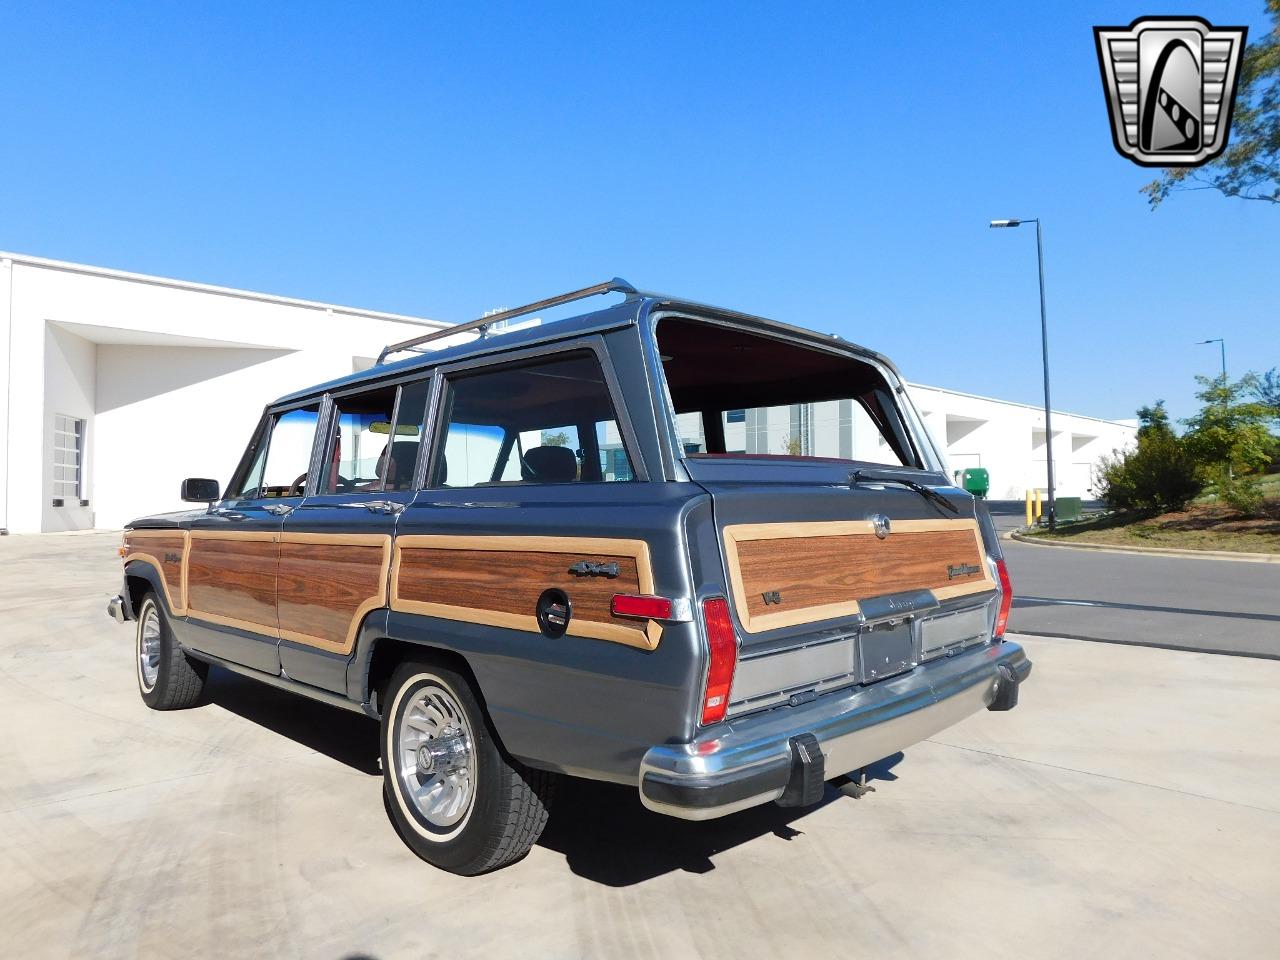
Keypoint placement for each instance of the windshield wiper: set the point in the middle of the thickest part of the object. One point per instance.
(867, 476)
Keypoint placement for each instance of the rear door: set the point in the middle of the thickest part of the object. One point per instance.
(335, 551)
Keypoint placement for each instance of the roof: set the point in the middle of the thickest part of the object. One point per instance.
(638, 304)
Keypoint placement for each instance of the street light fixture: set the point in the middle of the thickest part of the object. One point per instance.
(1044, 351)
(1223, 345)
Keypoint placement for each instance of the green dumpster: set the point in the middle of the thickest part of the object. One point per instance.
(977, 481)
(1067, 508)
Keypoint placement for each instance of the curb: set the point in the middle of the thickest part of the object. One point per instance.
(1150, 551)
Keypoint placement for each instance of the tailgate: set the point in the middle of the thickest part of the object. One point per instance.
(833, 584)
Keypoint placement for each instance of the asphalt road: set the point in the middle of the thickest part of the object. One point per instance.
(1220, 606)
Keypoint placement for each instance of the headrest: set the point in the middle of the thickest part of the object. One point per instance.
(549, 465)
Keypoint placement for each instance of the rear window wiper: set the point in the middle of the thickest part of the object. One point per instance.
(868, 476)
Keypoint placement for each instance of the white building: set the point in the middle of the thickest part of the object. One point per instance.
(114, 386)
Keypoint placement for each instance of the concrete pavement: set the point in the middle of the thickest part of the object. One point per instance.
(1127, 807)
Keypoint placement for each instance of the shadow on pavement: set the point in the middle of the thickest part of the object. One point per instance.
(607, 836)
(601, 829)
(349, 738)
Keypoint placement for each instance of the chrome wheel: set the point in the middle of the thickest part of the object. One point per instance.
(435, 760)
(149, 647)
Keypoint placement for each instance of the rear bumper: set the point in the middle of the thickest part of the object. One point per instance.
(772, 756)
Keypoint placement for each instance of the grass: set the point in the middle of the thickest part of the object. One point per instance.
(1269, 484)
(1204, 525)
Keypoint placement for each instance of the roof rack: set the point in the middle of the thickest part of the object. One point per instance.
(616, 285)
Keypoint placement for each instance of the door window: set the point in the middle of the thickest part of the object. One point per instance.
(288, 455)
(362, 435)
(551, 421)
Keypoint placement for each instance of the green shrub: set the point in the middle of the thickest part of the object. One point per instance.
(1157, 476)
(1241, 491)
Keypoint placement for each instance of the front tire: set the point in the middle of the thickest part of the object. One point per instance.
(167, 678)
(456, 800)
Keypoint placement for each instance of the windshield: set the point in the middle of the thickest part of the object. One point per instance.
(741, 394)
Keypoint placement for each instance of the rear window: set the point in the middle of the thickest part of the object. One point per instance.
(741, 394)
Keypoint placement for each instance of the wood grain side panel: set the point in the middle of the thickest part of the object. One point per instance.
(165, 550)
(497, 581)
(820, 571)
(326, 585)
(231, 579)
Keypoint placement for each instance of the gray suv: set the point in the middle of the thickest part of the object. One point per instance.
(709, 556)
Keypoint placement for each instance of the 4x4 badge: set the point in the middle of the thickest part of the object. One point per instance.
(1171, 85)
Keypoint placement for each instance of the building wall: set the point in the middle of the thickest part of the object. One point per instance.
(70, 380)
(170, 376)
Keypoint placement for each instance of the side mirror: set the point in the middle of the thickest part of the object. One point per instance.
(198, 490)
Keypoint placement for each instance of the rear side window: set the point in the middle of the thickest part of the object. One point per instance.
(550, 421)
(737, 393)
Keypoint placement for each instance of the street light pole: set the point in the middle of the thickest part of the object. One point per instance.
(1044, 354)
(1222, 344)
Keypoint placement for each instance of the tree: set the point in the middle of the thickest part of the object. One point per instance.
(1156, 476)
(1266, 390)
(1230, 439)
(1153, 420)
(1250, 167)
(560, 439)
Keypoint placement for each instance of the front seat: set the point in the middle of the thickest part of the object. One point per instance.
(549, 465)
(404, 455)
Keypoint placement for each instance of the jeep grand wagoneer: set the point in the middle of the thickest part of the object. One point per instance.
(709, 556)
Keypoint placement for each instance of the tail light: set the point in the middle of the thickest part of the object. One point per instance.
(1006, 600)
(723, 647)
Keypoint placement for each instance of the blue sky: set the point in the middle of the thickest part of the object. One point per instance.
(832, 166)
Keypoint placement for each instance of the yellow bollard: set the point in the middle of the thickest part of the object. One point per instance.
(1029, 518)
(1039, 507)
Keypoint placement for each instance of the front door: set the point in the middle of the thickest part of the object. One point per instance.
(335, 550)
(234, 553)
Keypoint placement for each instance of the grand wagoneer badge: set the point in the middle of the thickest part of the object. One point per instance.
(962, 570)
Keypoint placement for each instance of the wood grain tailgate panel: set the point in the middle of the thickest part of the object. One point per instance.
(497, 581)
(816, 571)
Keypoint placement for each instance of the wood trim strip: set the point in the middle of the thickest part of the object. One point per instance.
(258, 536)
(644, 637)
(379, 599)
(739, 533)
(177, 606)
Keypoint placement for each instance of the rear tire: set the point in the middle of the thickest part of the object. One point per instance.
(167, 678)
(455, 798)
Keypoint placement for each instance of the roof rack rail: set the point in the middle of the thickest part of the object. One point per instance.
(616, 285)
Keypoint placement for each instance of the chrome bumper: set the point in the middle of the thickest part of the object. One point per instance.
(745, 762)
(118, 610)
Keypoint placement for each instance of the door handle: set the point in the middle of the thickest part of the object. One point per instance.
(375, 506)
(278, 509)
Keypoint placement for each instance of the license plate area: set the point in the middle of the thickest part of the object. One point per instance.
(885, 649)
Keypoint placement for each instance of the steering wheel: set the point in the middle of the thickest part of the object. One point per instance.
(296, 489)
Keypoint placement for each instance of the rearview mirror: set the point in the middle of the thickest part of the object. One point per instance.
(199, 490)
